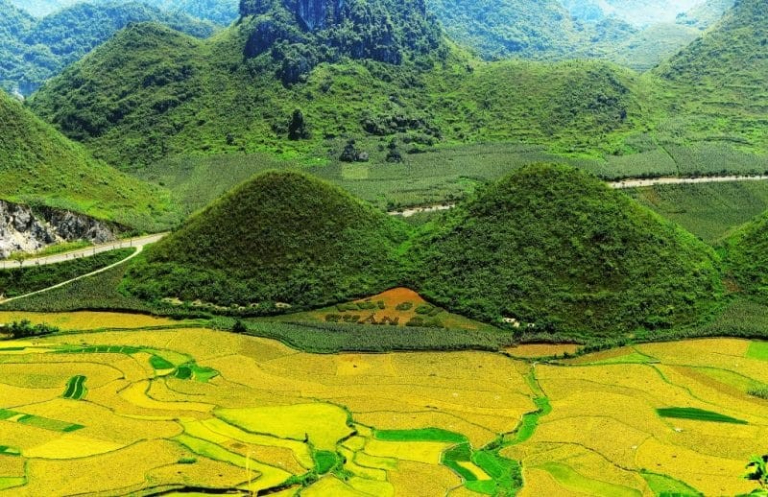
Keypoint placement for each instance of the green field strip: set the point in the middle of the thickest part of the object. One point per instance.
(75, 388)
(568, 478)
(758, 350)
(456, 454)
(7, 483)
(6, 450)
(695, 414)
(666, 486)
(159, 363)
(420, 435)
(39, 421)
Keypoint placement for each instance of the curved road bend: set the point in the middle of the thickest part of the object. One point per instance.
(139, 243)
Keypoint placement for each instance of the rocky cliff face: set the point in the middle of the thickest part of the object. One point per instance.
(299, 34)
(22, 230)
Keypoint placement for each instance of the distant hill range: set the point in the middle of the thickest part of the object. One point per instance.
(33, 50)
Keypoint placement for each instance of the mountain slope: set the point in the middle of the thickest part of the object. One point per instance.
(175, 95)
(282, 237)
(40, 49)
(747, 258)
(40, 167)
(222, 12)
(640, 13)
(720, 78)
(555, 247)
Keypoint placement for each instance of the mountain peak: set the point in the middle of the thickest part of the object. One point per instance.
(299, 34)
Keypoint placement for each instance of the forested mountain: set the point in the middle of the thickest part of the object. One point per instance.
(282, 237)
(721, 77)
(547, 30)
(222, 12)
(568, 253)
(40, 167)
(639, 13)
(151, 93)
(33, 51)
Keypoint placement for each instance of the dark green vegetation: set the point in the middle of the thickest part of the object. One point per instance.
(174, 95)
(568, 253)
(711, 211)
(41, 167)
(76, 388)
(34, 50)
(25, 329)
(280, 238)
(15, 282)
(697, 415)
(758, 473)
(718, 80)
(423, 435)
(748, 258)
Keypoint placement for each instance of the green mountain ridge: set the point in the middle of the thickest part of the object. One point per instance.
(719, 79)
(557, 248)
(279, 238)
(41, 167)
(150, 93)
(34, 50)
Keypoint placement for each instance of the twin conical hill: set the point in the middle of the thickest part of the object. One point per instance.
(554, 247)
(40, 166)
(282, 237)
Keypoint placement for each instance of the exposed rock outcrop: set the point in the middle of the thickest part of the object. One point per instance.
(24, 230)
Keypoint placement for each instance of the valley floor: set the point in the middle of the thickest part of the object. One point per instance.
(128, 404)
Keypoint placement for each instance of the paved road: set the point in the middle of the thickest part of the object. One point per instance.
(139, 242)
(619, 185)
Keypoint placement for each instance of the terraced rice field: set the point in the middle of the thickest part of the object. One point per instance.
(182, 410)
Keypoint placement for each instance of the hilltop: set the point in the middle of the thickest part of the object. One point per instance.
(279, 238)
(720, 78)
(554, 248)
(177, 95)
(41, 167)
(34, 50)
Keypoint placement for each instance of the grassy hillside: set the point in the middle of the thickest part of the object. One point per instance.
(720, 81)
(555, 248)
(39, 49)
(151, 93)
(40, 167)
(282, 237)
(711, 211)
(748, 258)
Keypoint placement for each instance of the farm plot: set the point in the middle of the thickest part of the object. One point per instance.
(174, 410)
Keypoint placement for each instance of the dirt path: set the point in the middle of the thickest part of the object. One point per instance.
(139, 242)
(619, 185)
(138, 250)
(639, 183)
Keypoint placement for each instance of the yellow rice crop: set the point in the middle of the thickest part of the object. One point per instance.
(203, 473)
(710, 475)
(539, 482)
(541, 350)
(391, 420)
(424, 452)
(361, 471)
(136, 394)
(72, 446)
(372, 487)
(419, 479)
(323, 424)
(56, 376)
(11, 466)
(128, 468)
(87, 320)
(330, 485)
